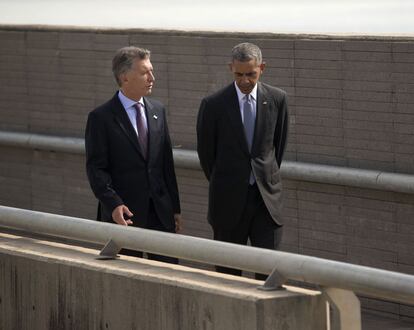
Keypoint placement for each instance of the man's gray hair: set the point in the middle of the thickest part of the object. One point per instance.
(124, 59)
(245, 52)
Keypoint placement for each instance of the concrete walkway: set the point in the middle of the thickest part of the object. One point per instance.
(318, 16)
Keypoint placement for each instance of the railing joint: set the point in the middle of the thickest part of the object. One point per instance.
(109, 251)
(274, 281)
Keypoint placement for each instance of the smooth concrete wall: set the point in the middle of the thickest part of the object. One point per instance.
(47, 285)
(350, 101)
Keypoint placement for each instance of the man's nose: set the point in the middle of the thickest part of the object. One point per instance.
(151, 77)
(244, 78)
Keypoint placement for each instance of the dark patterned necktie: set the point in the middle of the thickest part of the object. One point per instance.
(142, 129)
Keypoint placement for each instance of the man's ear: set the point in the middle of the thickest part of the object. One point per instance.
(230, 66)
(262, 66)
(123, 78)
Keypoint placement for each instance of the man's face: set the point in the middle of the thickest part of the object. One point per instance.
(246, 74)
(138, 81)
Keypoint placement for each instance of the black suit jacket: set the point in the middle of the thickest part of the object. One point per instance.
(225, 158)
(117, 171)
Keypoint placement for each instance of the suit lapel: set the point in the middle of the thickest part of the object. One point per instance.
(123, 121)
(233, 110)
(262, 109)
(153, 116)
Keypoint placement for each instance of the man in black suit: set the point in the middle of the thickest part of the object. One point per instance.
(241, 134)
(129, 157)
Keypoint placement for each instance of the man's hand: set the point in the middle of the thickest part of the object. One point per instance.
(178, 222)
(118, 215)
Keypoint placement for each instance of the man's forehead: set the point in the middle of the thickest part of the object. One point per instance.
(245, 68)
(142, 63)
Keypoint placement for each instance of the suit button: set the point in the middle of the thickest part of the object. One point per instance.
(149, 171)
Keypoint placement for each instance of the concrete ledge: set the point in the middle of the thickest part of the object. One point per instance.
(334, 36)
(47, 285)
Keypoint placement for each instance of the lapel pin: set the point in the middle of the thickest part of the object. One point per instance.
(155, 117)
(265, 102)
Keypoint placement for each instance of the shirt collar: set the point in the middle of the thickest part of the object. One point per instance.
(127, 102)
(240, 95)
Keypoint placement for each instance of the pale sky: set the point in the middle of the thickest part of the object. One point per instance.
(370, 17)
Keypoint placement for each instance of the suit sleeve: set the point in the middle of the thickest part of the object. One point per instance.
(169, 172)
(206, 141)
(97, 155)
(281, 130)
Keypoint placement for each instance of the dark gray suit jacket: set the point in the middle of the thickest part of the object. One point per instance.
(226, 160)
(117, 171)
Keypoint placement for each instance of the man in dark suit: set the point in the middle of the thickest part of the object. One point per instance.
(241, 134)
(129, 157)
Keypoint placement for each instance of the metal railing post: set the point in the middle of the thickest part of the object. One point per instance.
(346, 309)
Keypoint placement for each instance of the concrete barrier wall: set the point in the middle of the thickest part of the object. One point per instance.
(350, 101)
(47, 285)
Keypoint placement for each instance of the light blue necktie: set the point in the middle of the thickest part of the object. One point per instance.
(248, 120)
(249, 123)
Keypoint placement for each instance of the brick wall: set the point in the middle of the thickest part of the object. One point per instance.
(351, 104)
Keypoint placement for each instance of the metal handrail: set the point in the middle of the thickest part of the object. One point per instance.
(326, 273)
(353, 177)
